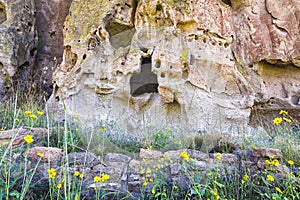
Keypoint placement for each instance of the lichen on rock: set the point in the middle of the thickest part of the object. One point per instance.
(205, 60)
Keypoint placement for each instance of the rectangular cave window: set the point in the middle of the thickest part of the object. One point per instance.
(145, 81)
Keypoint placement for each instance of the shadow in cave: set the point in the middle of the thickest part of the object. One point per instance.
(145, 81)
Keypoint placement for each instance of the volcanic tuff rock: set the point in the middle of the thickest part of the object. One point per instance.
(17, 45)
(31, 44)
(50, 18)
(192, 65)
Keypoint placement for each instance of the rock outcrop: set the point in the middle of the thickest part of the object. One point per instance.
(136, 177)
(50, 18)
(17, 46)
(193, 65)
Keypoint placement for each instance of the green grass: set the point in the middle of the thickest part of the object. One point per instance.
(16, 181)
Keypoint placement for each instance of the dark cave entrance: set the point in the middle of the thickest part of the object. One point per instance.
(145, 81)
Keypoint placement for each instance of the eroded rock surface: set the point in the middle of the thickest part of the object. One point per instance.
(215, 64)
(50, 18)
(18, 41)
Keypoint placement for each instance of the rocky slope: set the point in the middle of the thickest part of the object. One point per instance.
(194, 65)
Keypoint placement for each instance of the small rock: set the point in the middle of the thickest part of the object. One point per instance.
(266, 153)
(49, 153)
(115, 157)
(228, 158)
(174, 155)
(175, 168)
(198, 155)
(135, 165)
(150, 154)
(37, 133)
(83, 159)
(198, 165)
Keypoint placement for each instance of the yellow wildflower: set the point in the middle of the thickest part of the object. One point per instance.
(277, 120)
(28, 138)
(270, 178)
(283, 112)
(81, 176)
(271, 157)
(59, 186)
(51, 172)
(5, 143)
(76, 173)
(27, 112)
(145, 183)
(275, 162)
(97, 179)
(268, 162)
(148, 171)
(175, 187)
(153, 191)
(279, 190)
(287, 120)
(290, 162)
(218, 156)
(33, 116)
(104, 177)
(39, 112)
(185, 156)
(40, 155)
(246, 177)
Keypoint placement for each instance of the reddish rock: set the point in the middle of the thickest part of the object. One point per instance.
(47, 154)
(150, 154)
(18, 134)
(267, 153)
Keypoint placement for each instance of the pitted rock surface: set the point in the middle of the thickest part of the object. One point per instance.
(193, 65)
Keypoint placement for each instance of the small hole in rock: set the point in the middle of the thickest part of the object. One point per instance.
(158, 63)
(159, 8)
(227, 2)
(119, 73)
(162, 75)
(84, 57)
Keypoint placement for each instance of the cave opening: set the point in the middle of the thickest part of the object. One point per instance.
(145, 81)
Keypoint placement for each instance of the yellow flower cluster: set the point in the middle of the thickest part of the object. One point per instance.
(78, 174)
(28, 138)
(278, 120)
(51, 172)
(185, 156)
(274, 162)
(104, 177)
(33, 116)
(218, 156)
(270, 178)
(147, 181)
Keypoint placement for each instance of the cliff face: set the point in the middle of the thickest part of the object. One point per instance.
(193, 65)
(17, 45)
(31, 44)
